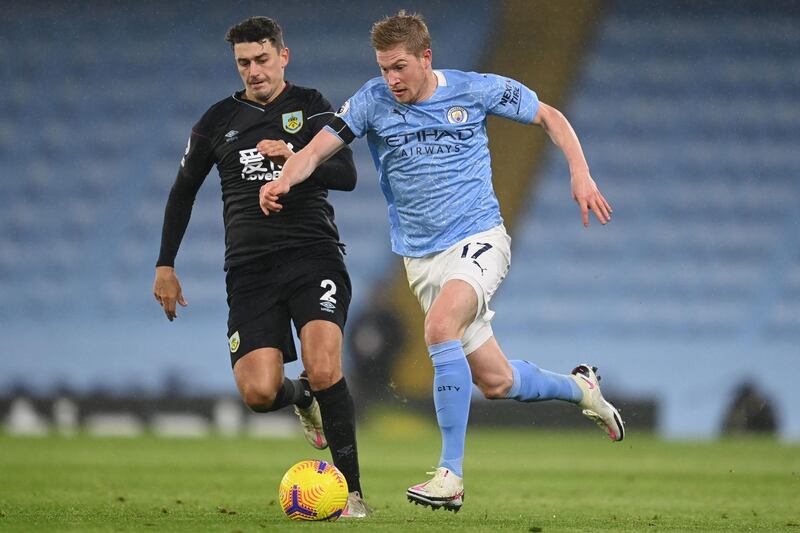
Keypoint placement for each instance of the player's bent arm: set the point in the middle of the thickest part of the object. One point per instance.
(584, 189)
(300, 166)
(338, 172)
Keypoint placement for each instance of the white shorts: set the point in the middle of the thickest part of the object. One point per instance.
(482, 260)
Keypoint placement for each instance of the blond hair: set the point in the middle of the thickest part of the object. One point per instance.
(401, 29)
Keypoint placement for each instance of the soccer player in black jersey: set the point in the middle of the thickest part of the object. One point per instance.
(280, 268)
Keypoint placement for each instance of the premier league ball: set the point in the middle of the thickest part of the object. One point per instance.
(313, 490)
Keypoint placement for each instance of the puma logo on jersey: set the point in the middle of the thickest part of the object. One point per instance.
(402, 115)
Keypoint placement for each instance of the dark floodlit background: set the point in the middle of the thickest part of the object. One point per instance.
(688, 113)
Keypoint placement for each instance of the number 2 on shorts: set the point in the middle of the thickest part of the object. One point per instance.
(328, 296)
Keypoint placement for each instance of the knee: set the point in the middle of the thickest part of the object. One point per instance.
(497, 387)
(439, 330)
(258, 398)
(323, 376)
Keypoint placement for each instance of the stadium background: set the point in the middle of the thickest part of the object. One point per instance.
(688, 113)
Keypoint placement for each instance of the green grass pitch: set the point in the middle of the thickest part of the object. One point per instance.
(517, 480)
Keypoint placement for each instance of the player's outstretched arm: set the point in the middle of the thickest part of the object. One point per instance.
(195, 165)
(298, 168)
(584, 189)
(167, 290)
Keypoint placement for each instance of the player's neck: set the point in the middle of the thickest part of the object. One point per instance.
(430, 87)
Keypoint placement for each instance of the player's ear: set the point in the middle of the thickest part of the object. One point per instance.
(284, 55)
(427, 58)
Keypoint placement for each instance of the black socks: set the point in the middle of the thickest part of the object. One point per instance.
(292, 392)
(339, 423)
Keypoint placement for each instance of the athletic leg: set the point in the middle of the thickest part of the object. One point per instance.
(452, 310)
(523, 381)
(454, 288)
(499, 378)
(321, 348)
(267, 344)
(262, 385)
(319, 309)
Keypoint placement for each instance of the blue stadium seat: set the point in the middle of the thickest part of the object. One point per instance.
(688, 113)
(89, 160)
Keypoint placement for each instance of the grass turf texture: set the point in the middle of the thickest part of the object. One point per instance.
(516, 481)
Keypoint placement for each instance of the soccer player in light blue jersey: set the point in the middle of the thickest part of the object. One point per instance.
(426, 130)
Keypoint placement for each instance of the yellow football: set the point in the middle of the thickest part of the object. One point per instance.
(313, 490)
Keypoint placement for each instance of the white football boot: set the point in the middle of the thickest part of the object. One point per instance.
(311, 420)
(594, 406)
(445, 490)
(356, 507)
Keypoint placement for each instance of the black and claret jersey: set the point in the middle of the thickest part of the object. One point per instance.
(227, 136)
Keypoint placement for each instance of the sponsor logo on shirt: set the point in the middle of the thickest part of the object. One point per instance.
(231, 136)
(510, 95)
(253, 166)
(429, 135)
(431, 141)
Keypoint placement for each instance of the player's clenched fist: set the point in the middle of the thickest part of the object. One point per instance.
(269, 195)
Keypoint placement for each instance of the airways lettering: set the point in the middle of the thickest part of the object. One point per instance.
(429, 150)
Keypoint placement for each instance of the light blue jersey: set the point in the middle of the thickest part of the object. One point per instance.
(433, 157)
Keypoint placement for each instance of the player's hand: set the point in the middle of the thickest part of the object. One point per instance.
(277, 151)
(587, 195)
(270, 194)
(167, 290)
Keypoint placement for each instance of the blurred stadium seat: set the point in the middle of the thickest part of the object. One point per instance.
(688, 115)
(688, 112)
(97, 106)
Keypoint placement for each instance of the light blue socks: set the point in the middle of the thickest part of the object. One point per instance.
(452, 390)
(532, 384)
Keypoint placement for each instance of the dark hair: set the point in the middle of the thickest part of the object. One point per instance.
(408, 30)
(256, 30)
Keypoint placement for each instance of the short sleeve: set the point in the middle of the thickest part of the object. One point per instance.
(320, 112)
(509, 98)
(354, 113)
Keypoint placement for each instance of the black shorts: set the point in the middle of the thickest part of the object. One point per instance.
(297, 285)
